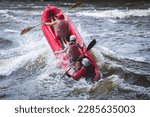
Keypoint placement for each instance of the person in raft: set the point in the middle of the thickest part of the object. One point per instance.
(85, 70)
(60, 26)
(72, 49)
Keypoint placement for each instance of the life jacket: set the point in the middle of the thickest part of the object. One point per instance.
(61, 29)
(73, 52)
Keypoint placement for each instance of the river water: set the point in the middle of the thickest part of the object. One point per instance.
(29, 70)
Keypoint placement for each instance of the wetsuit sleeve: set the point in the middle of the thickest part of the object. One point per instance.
(79, 74)
(51, 23)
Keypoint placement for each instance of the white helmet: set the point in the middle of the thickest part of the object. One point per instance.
(72, 38)
(86, 62)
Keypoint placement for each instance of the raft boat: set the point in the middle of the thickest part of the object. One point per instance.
(54, 41)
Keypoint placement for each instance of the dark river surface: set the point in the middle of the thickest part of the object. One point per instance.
(29, 69)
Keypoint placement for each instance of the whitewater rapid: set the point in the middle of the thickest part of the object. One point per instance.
(29, 69)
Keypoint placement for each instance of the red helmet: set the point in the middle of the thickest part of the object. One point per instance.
(60, 16)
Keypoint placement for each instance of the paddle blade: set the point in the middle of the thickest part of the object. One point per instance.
(91, 45)
(77, 4)
(26, 30)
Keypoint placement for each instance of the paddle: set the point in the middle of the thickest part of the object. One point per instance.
(76, 4)
(28, 29)
(92, 43)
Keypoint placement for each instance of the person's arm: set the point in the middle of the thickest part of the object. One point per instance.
(61, 51)
(50, 23)
(78, 75)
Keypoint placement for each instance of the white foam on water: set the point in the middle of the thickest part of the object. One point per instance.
(107, 51)
(98, 57)
(134, 88)
(37, 6)
(4, 11)
(115, 79)
(7, 66)
(139, 59)
(33, 12)
(83, 33)
(11, 31)
(14, 18)
(121, 84)
(29, 49)
(7, 14)
(112, 21)
(116, 13)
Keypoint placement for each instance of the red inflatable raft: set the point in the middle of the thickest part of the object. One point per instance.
(54, 41)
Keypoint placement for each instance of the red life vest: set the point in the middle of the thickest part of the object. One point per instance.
(61, 29)
(73, 51)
